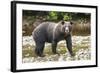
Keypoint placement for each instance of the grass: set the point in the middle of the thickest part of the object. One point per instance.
(81, 29)
(28, 50)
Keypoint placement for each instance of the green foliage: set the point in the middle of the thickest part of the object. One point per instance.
(52, 16)
(82, 20)
(67, 17)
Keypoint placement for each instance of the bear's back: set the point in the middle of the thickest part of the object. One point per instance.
(44, 31)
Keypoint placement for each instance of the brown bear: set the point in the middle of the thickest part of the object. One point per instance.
(52, 33)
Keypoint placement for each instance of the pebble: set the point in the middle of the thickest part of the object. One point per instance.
(81, 54)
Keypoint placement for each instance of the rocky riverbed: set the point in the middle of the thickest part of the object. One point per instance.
(81, 48)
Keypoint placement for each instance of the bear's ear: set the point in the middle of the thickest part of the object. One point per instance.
(71, 22)
(62, 22)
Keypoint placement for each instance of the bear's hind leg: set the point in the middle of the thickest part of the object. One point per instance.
(39, 49)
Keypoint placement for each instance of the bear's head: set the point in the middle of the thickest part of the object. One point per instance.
(65, 27)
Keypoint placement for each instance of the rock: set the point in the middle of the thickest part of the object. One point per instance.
(41, 59)
(81, 54)
(53, 58)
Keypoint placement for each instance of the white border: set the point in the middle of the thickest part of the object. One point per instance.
(21, 65)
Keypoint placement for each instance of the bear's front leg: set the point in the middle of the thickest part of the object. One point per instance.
(69, 44)
(54, 45)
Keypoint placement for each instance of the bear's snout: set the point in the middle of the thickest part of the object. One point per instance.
(66, 29)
